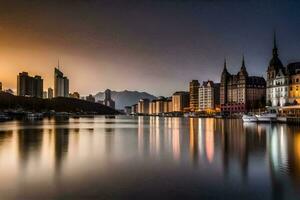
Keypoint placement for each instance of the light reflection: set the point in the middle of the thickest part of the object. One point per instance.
(51, 152)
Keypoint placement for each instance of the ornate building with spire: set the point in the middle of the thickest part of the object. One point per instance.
(277, 81)
(241, 92)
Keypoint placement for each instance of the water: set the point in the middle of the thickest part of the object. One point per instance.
(148, 158)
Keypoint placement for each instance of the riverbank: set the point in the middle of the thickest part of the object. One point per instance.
(16, 104)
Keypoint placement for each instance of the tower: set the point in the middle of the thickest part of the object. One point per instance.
(223, 84)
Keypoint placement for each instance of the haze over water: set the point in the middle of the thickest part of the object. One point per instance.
(148, 158)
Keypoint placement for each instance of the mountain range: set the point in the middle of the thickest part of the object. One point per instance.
(125, 98)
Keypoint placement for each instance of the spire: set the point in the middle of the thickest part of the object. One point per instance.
(275, 50)
(243, 62)
(225, 67)
(243, 70)
(58, 64)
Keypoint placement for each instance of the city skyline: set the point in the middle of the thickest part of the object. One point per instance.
(156, 57)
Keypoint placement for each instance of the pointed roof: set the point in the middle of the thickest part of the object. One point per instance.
(275, 62)
(275, 49)
(243, 70)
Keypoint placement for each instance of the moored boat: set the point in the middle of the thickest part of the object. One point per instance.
(249, 118)
(267, 117)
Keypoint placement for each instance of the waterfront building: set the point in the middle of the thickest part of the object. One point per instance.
(134, 109)
(152, 107)
(277, 81)
(50, 93)
(241, 92)
(108, 100)
(217, 96)
(159, 105)
(194, 95)
(143, 106)
(90, 98)
(168, 105)
(29, 86)
(294, 82)
(180, 100)
(206, 96)
(61, 84)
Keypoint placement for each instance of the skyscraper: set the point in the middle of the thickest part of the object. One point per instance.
(61, 84)
(0, 86)
(194, 95)
(29, 86)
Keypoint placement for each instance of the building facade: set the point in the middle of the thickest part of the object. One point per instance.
(29, 86)
(61, 84)
(294, 82)
(194, 95)
(277, 81)
(143, 106)
(206, 96)
(241, 92)
(180, 100)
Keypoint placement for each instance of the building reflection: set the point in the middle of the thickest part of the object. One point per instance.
(29, 145)
(176, 127)
(61, 144)
(284, 143)
(194, 143)
(239, 142)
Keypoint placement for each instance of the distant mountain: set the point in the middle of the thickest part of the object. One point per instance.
(125, 98)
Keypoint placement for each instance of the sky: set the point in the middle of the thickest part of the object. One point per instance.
(153, 46)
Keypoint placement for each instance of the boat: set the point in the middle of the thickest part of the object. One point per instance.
(267, 117)
(249, 118)
(4, 117)
(34, 116)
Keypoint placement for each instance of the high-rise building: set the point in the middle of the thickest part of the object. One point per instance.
(0, 86)
(241, 92)
(108, 100)
(180, 100)
(277, 80)
(29, 86)
(194, 94)
(143, 106)
(50, 93)
(206, 96)
(61, 84)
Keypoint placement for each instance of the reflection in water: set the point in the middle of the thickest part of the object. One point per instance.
(114, 156)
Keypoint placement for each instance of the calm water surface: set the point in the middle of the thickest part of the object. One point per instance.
(148, 158)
